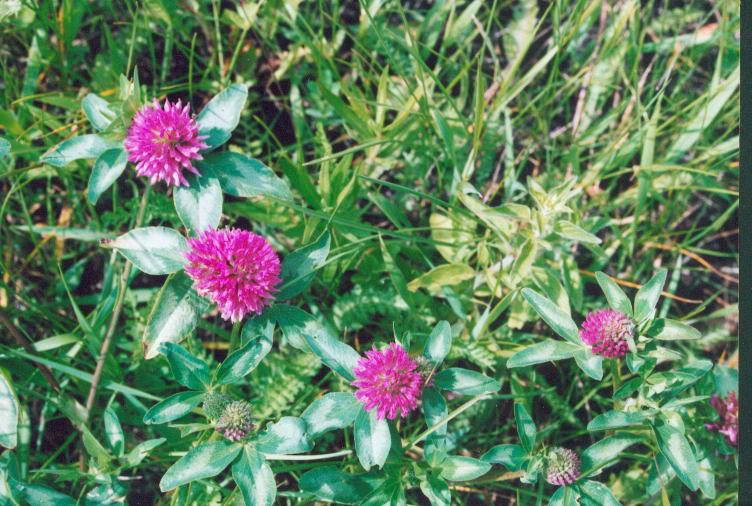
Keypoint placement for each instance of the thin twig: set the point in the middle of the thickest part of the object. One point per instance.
(322, 456)
(26, 344)
(694, 256)
(105, 348)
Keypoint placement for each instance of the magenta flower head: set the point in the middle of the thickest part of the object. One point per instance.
(606, 332)
(237, 269)
(388, 381)
(163, 142)
(728, 411)
(563, 466)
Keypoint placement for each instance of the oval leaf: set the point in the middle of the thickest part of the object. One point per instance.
(458, 468)
(597, 493)
(525, 427)
(173, 407)
(113, 432)
(615, 296)
(591, 364)
(465, 382)
(77, 148)
(557, 319)
(605, 451)
(436, 490)
(372, 439)
(174, 315)
(106, 170)
(335, 410)
(647, 296)
(299, 267)
(546, 351)
(188, 370)
(338, 356)
(199, 205)
(285, 437)
(97, 111)
(330, 484)
(439, 343)
(244, 360)
(441, 276)
(242, 176)
(510, 456)
(203, 461)
(254, 478)
(153, 250)
(221, 115)
(672, 330)
(9, 409)
(615, 420)
(675, 447)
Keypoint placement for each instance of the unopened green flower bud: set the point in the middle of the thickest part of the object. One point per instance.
(214, 404)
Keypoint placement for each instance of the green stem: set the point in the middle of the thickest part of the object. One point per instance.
(234, 337)
(616, 373)
(341, 453)
(446, 419)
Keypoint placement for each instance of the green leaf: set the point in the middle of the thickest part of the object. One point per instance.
(97, 111)
(372, 439)
(434, 409)
(627, 388)
(605, 452)
(243, 361)
(285, 437)
(591, 364)
(199, 205)
(295, 324)
(510, 456)
(569, 230)
(173, 407)
(672, 330)
(4, 147)
(9, 409)
(113, 432)
(141, 451)
(330, 484)
(153, 250)
(203, 461)
(525, 427)
(707, 478)
(39, 495)
(441, 276)
(254, 478)
(175, 313)
(464, 381)
(241, 176)
(675, 447)
(106, 170)
(338, 356)
(647, 296)
(564, 496)
(335, 410)
(458, 468)
(615, 420)
(615, 296)
(299, 267)
(221, 115)
(436, 490)
(188, 370)
(594, 493)
(78, 148)
(439, 343)
(546, 351)
(557, 319)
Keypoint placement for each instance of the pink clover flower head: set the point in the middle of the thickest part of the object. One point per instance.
(606, 332)
(728, 411)
(563, 466)
(163, 142)
(388, 381)
(237, 269)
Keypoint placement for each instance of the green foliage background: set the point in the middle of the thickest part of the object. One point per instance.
(399, 126)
